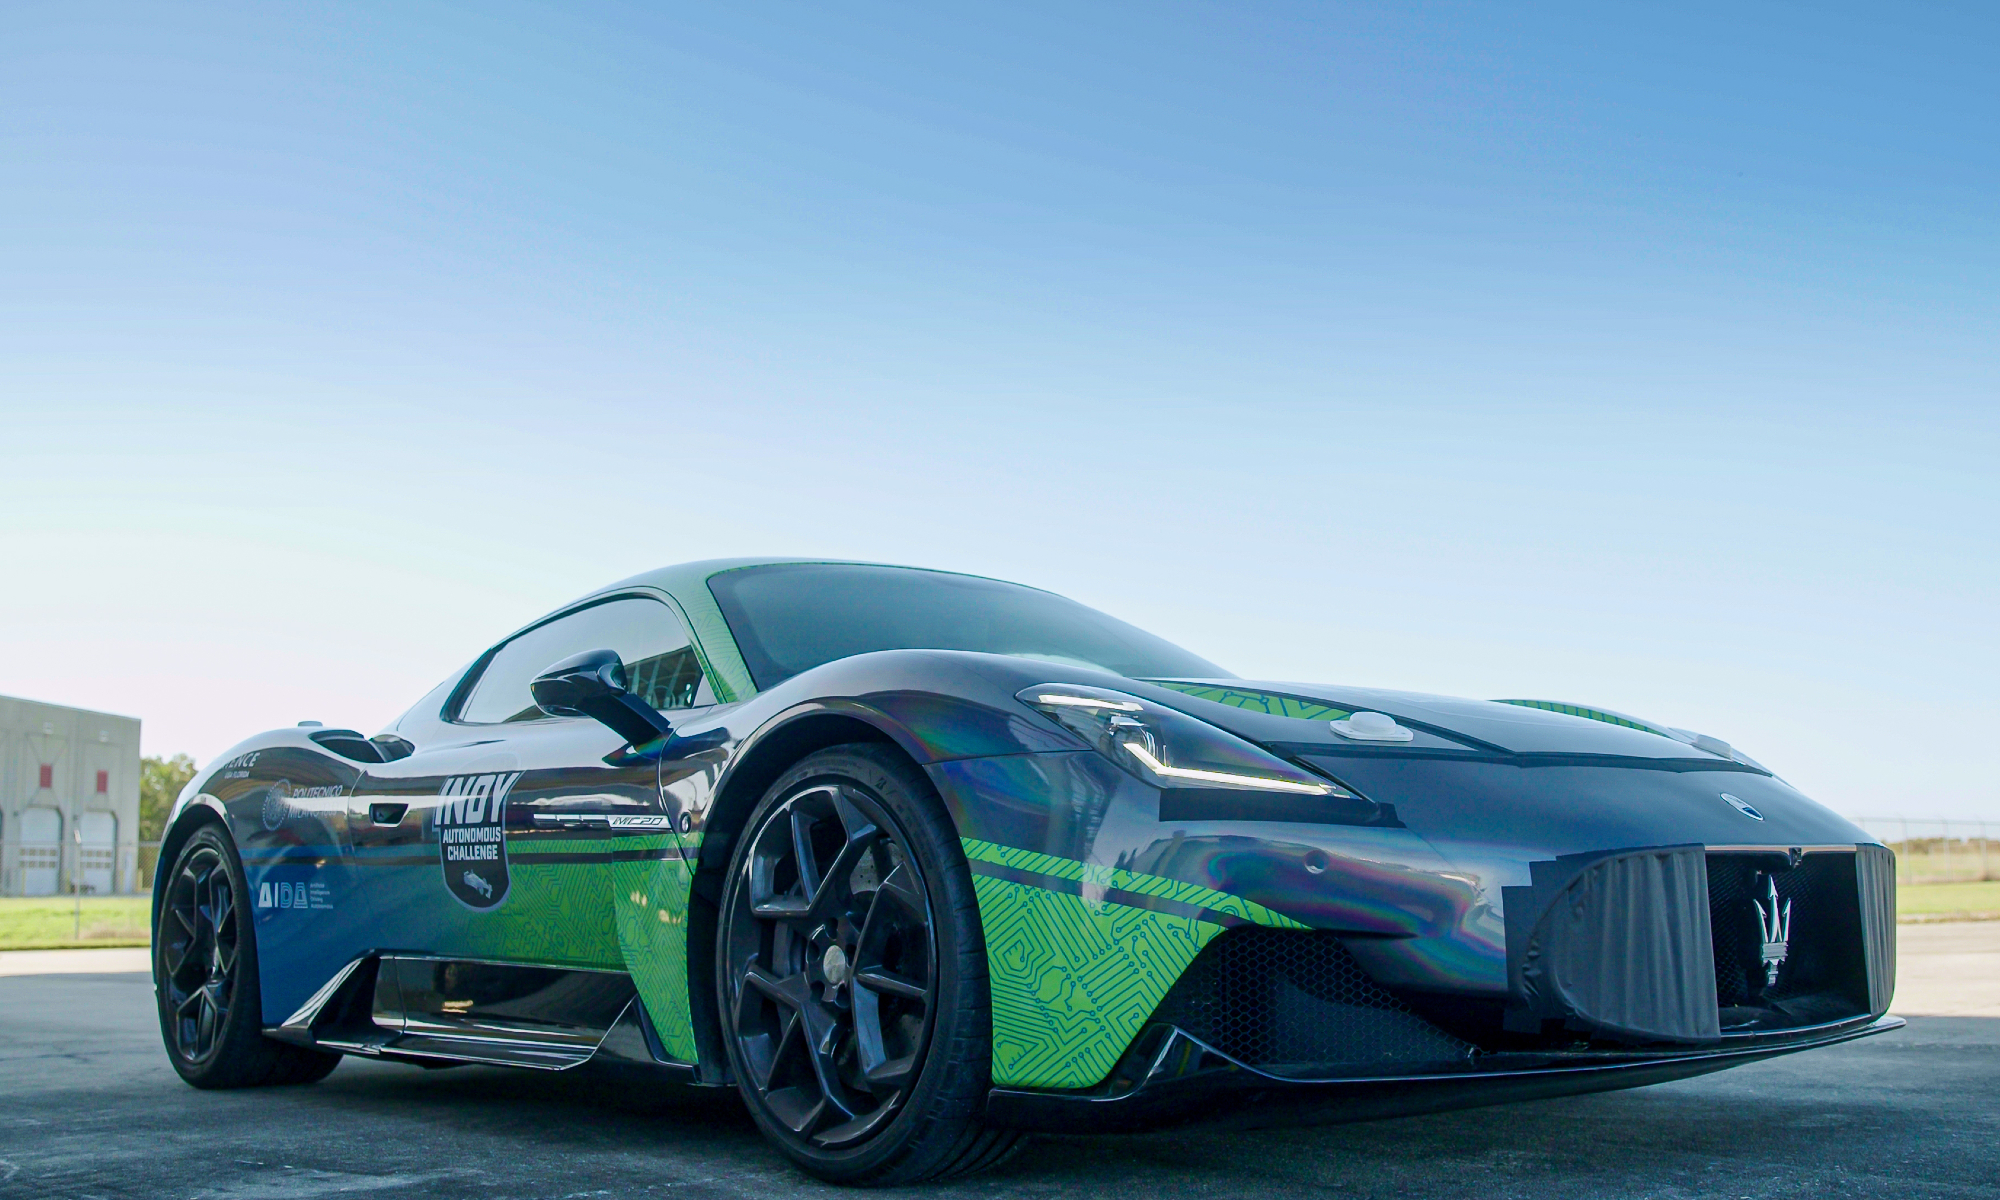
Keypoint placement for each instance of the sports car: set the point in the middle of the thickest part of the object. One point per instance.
(918, 861)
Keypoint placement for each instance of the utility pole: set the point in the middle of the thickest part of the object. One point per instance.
(75, 880)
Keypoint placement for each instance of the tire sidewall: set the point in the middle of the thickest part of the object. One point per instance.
(922, 825)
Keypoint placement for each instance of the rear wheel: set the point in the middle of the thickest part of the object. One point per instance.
(851, 975)
(205, 977)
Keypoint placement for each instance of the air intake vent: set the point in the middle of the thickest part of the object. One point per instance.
(1296, 1004)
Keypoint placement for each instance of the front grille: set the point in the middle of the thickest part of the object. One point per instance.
(1823, 976)
(1296, 1004)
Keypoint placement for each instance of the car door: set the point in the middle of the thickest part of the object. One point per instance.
(498, 838)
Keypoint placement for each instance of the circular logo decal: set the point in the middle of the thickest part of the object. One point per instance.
(277, 803)
(1743, 808)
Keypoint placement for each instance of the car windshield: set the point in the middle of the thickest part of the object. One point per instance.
(792, 617)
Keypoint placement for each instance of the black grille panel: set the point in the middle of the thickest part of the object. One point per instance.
(1824, 974)
(1295, 1003)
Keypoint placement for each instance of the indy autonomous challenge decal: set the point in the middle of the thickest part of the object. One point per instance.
(472, 837)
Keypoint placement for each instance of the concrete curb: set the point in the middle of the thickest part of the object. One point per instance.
(94, 961)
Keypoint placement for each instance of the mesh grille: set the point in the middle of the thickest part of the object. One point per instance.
(1296, 1004)
(1823, 976)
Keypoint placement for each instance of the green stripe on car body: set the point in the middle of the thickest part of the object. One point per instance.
(1276, 704)
(1578, 710)
(1074, 978)
(1126, 881)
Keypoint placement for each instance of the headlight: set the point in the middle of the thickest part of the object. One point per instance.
(1166, 747)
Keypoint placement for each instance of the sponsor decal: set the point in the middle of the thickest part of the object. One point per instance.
(642, 821)
(471, 822)
(277, 803)
(308, 895)
(280, 797)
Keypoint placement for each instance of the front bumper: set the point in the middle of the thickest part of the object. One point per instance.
(1171, 1078)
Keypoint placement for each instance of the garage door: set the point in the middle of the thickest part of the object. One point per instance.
(41, 851)
(98, 852)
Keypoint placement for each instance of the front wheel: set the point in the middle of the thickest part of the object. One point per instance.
(205, 976)
(851, 975)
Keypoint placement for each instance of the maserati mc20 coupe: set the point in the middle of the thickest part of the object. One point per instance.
(918, 861)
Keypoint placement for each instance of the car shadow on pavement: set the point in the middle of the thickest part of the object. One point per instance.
(1834, 1118)
(89, 1107)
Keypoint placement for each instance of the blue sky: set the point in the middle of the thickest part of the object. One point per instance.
(1638, 356)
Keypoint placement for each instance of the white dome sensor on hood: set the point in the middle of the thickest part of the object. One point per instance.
(1371, 727)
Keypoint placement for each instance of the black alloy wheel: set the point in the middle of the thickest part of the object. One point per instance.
(199, 951)
(205, 976)
(841, 972)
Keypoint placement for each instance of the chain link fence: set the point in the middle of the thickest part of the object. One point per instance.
(1938, 851)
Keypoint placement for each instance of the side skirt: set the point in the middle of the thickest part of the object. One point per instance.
(440, 1012)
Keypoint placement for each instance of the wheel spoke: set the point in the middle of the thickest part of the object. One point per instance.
(802, 851)
(790, 1034)
(892, 985)
(789, 992)
(855, 824)
(784, 908)
(822, 1043)
(205, 1022)
(901, 887)
(835, 892)
(893, 1074)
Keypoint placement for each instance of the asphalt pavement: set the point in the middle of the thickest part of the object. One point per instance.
(89, 1108)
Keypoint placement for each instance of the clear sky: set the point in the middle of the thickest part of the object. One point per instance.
(1637, 356)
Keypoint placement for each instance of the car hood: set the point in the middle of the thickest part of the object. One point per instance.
(1284, 711)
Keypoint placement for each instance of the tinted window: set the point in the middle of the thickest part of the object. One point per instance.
(660, 666)
(793, 617)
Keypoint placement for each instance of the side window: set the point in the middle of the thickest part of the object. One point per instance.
(660, 665)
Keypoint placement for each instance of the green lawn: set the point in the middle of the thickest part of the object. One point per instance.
(1935, 898)
(50, 922)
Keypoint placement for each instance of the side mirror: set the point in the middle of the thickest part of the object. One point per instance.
(592, 684)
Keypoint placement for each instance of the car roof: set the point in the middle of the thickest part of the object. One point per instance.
(687, 585)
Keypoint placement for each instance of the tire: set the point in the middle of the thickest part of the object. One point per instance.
(876, 954)
(205, 976)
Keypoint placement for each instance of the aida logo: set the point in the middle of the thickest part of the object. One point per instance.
(283, 894)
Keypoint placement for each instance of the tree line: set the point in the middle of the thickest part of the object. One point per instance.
(160, 784)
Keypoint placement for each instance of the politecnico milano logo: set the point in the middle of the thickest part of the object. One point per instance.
(472, 836)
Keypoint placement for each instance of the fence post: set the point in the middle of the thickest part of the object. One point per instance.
(1903, 860)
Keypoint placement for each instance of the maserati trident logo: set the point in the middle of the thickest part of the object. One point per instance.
(1775, 923)
(1740, 806)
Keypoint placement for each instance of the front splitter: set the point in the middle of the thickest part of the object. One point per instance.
(1185, 1081)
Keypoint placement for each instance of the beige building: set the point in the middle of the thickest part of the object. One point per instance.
(69, 800)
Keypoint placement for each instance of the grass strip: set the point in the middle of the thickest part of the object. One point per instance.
(1948, 901)
(51, 922)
